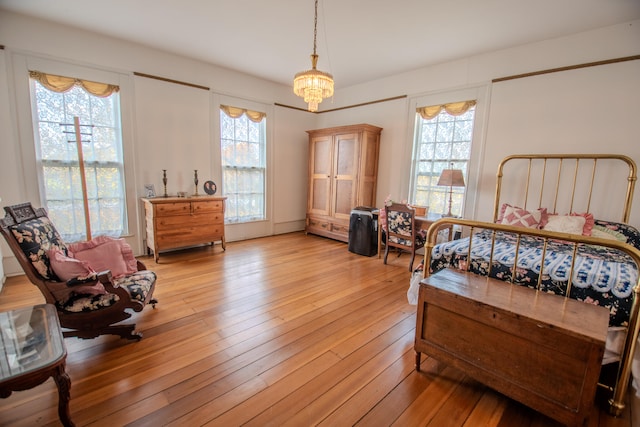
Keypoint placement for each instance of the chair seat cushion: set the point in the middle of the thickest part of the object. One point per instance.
(137, 284)
(420, 241)
(89, 303)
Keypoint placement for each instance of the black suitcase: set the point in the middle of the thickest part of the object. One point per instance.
(363, 231)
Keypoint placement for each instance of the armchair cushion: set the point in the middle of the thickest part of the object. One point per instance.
(106, 253)
(36, 237)
(137, 284)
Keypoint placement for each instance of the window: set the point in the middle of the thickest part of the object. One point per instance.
(57, 101)
(243, 149)
(442, 141)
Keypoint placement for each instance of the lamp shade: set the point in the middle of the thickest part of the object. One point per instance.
(451, 178)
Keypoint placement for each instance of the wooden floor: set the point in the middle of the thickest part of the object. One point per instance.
(291, 330)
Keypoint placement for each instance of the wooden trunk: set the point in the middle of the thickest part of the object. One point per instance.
(542, 350)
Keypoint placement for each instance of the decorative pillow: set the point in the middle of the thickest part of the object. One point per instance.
(572, 224)
(607, 233)
(588, 223)
(518, 217)
(67, 268)
(106, 253)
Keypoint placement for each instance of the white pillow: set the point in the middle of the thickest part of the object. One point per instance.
(565, 224)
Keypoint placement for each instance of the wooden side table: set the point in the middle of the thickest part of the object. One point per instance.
(31, 351)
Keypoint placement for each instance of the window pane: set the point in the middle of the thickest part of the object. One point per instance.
(243, 148)
(57, 152)
(441, 143)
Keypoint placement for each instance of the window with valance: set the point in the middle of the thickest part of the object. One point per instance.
(57, 100)
(243, 149)
(442, 140)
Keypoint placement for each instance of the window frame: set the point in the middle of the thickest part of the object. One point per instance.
(246, 230)
(263, 167)
(73, 165)
(474, 179)
(29, 182)
(439, 165)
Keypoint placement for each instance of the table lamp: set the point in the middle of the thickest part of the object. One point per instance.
(451, 178)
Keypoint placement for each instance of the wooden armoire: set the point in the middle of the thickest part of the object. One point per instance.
(343, 170)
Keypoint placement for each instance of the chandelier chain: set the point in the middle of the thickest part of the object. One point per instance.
(315, 28)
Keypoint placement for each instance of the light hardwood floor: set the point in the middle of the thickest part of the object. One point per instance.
(291, 330)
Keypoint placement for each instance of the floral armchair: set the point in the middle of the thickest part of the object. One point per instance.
(89, 301)
(401, 231)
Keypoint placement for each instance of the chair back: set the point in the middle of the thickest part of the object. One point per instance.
(30, 235)
(401, 231)
(400, 225)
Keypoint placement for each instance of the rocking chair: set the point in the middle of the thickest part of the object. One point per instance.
(89, 305)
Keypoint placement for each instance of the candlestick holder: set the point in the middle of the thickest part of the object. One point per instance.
(164, 181)
(195, 181)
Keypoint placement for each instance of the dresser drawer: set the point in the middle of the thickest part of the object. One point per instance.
(177, 222)
(164, 209)
(204, 207)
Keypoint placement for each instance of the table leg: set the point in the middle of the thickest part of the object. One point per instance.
(64, 395)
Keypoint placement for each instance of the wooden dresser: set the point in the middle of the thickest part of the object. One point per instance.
(343, 172)
(177, 222)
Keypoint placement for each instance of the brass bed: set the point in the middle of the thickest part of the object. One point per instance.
(562, 185)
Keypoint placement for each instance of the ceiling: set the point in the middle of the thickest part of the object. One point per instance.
(358, 40)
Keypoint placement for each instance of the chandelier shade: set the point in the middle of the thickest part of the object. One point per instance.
(313, 85)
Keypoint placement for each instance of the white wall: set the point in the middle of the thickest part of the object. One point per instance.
(151, 146)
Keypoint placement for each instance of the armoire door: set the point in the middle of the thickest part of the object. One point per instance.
(321, 176)
(345, 174)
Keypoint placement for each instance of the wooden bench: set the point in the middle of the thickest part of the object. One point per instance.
(542, 350)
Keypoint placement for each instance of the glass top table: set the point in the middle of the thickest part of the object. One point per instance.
(32, 350)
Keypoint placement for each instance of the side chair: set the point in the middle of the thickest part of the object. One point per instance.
(88, 305)
(401, 231)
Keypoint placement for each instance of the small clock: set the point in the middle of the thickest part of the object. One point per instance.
(210, 188)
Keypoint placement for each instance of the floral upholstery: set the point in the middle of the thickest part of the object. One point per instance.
(38, 236)
(400, 231)
(137, 284)
(400, 223)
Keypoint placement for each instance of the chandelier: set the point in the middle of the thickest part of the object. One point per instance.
(313, 85)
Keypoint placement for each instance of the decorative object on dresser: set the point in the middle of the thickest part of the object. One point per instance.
(164, 182)
(178, 222)
(343, 171)
(93, 284)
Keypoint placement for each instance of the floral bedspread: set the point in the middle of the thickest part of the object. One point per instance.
(601, 276)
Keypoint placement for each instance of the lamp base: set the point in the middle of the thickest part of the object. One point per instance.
(449, 215)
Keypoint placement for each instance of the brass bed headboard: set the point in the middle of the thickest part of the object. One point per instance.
(552, 169)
